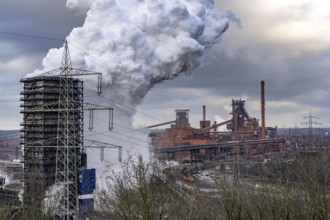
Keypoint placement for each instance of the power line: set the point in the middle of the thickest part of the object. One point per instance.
(8, 100)
(131, 108)
(122, 126)
(31, 36)
(104, 133)
(161, 95)
(91, 55)
(126, 141)
(94, 57)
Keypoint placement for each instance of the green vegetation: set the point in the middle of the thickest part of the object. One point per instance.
(288, 189)
(294, 187)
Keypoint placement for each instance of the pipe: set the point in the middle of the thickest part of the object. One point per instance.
(216, 125)
(161, 124)
(263, 129)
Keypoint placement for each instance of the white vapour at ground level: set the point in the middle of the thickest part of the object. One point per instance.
(133, 141)
(138, 43)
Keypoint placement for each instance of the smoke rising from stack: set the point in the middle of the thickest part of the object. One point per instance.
(139, 43)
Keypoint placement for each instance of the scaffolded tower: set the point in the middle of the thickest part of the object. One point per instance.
(53, 133)
(43, 127)
(40, 131)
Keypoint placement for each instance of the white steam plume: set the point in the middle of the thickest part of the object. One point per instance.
(138, 43)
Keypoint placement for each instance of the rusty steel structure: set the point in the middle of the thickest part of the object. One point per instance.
(188, 143)
(240, 115)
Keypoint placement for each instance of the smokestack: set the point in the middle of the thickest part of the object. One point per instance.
(204, 113)
(263, 129)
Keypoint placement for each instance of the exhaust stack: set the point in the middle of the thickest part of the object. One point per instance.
(263, 128)
(204, 113)
(204, 123)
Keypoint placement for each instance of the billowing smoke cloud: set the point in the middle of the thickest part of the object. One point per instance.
(138, 43)
(79, 7)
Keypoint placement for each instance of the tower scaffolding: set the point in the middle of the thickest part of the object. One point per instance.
(53, 133)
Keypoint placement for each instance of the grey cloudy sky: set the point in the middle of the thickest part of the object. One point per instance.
(285, 43)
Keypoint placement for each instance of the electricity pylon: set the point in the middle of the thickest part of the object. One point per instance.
(63, 102)
(310, 127)
(69, 134)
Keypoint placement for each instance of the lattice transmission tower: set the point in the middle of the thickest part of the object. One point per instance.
(53, 129)
(310, 127)
(69, 134)
(69, 139)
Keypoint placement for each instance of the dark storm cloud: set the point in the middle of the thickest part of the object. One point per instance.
(225, 76)
(287, 77)
(46, 18)
(294, 83)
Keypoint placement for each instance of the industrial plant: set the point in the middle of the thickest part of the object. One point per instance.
(53, 163)
(74, 118)
(244, 136)
(53, 166)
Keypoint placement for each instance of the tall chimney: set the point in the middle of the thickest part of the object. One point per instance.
(263, 129)
(204, 113)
